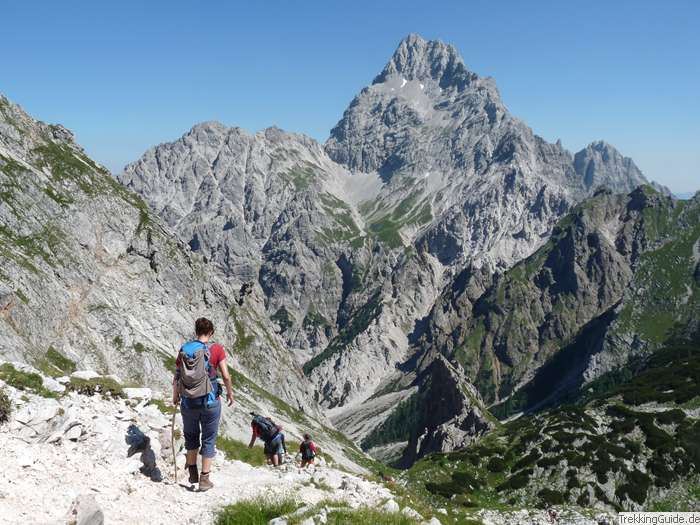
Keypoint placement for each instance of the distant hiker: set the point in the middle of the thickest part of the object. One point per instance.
(271, 434)
(246, 289)
(197, 389)
(386, 479)
(307, 450)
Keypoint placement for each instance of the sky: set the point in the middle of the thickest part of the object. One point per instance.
(125, 76)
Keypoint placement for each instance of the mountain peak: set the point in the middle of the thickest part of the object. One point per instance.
(418, 59)
(601, 164)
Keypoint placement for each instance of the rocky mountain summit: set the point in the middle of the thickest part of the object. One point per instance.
(350, 244)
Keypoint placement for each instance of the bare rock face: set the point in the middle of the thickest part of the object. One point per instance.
(452, 414)
(89, 273)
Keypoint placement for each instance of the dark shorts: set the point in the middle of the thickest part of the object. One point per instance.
(201, 424)
(275, 445)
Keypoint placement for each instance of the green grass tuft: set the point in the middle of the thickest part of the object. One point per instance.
(24, 380)
(55, 364)
(257, 511)
(104, 386)
(233, 449)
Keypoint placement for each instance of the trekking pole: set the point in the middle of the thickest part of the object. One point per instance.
(172, 442)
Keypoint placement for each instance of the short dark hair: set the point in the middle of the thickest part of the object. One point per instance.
(307, 436)
(203, 326)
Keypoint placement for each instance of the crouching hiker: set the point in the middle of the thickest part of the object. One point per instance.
(198, 391)
(307, 449)
(272, 436)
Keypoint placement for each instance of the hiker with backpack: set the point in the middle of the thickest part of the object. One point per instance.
(307, 448)
(196, 388)
(271, 434)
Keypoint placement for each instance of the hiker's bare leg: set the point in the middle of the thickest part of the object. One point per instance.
(276, 460)
(192, 456)
(206, 464)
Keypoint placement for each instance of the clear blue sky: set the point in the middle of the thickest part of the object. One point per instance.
(127, 75)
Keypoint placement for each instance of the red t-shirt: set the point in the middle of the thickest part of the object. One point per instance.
(216, 355)
(311, 444)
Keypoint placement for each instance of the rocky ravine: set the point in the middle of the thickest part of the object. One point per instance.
(350, 243)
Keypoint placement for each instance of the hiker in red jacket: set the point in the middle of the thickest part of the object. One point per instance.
(307, 450)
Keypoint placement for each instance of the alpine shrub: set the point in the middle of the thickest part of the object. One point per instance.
(5, 407)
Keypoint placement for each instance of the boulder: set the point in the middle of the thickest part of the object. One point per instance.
(411, 513)
(85, 375)
(138, 393)
(74, 432)
(85, 511)
(390, 506)
(53, 385)
(300, 511)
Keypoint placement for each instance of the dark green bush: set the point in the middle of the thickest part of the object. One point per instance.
(516, 481)
(663, 475)
(527, 460)
(546, 445)
(574, 459)
(547, 462)
(668, 417)
(467, 480)
(496, 464)
(573, 483)
(55, 364)
(5, 407)
(551, 497)
(584, 500)
(635, 488)
(634, 447)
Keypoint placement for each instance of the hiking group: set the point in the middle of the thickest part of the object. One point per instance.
(197, 390)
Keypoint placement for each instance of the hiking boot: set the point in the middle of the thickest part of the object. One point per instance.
(194, 473)
(204, 483)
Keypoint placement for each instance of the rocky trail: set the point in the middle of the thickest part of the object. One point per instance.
(82, 457)
(72, 452)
